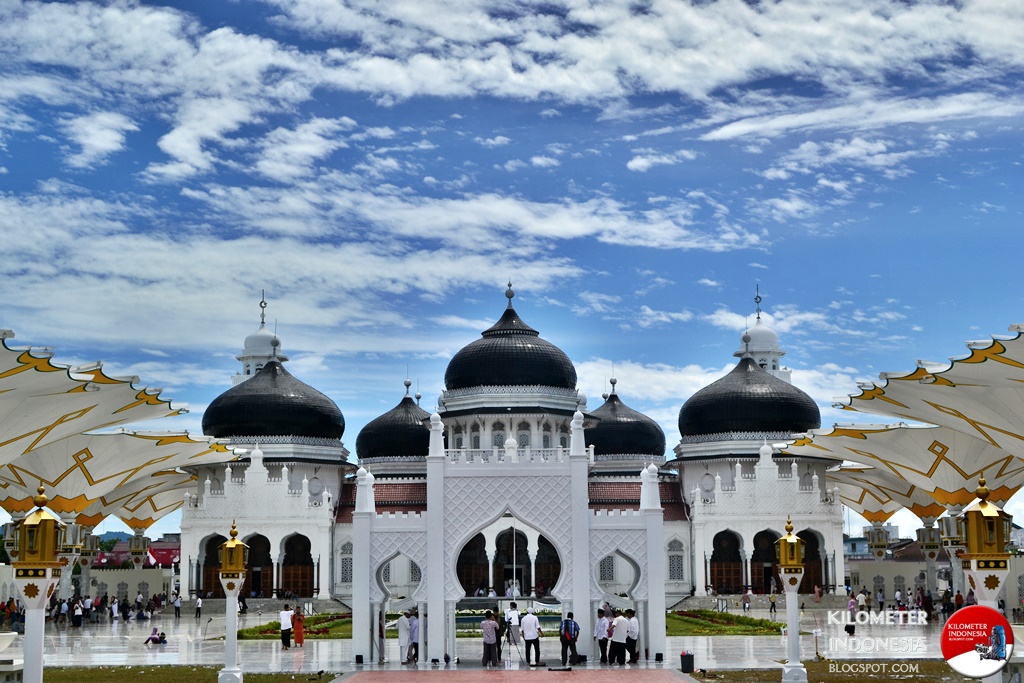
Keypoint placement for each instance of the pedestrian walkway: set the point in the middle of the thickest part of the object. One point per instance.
(199, 642)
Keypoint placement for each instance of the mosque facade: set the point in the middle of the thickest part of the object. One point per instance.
(512, 487)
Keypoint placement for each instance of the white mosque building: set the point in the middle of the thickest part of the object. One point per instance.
(555, 503)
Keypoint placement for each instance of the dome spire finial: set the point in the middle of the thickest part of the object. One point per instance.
(613, 382)
(510, 293)
(758, 300)
(263, 307)
(408, 383)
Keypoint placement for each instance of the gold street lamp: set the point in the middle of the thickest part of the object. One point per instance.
(38, 539)
(789, 552)
(233, 556)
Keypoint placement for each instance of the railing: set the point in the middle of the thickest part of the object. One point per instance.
(500, 455)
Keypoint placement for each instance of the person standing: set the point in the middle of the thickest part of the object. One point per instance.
(601, 635)
(632, 636)
(286, 627)
(199, 606)
(620, 627)
(568, 634)
(414, 637)
(880, 597)
(861, 602)
(403, 637)
(299, 627)
(530, 625)
(490, 630)
(512, 619)
(745, 601)
(177, 605)
(771, 604)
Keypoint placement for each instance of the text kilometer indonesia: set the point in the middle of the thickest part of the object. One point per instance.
(968, 631)
(914, 617)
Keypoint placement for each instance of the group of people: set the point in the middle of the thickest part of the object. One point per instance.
(293, 625)
(617, 637)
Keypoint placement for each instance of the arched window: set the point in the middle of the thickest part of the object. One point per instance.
(606, 570)
(676, 561)
(346, 562)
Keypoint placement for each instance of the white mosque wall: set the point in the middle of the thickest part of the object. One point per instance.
(890, 575)
(127, 583)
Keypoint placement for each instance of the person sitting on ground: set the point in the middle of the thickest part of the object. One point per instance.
(154, 637)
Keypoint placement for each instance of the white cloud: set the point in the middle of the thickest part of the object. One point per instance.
(647, 159)
(496, 141)
(649, 317)
(288, 154)
(545, 162)
(99, 135)
(706, 282)
(595, 302)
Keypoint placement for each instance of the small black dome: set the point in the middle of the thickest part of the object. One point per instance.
(511, 353)
(400, 431)
(748, 399)
(273, 403)
(622, 430)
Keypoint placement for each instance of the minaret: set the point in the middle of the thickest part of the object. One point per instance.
(763, 346)
(259, 348)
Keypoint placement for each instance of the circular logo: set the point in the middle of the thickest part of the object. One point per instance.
(977, 641)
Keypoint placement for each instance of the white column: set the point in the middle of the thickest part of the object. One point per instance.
(436, 578)
(421, 611)
(533, 573)
(34, 584)
(653, 515)
(362, 521)
(232, 584)
(793, 670)
(579, 584)
(491, 552)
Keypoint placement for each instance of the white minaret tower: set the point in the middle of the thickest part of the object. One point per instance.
(259, 348)
(764, 347)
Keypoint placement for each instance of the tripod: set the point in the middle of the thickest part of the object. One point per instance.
(509, 642)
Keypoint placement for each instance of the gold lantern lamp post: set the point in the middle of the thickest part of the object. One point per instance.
(789, 552)
(985, 560)
(233, 556)
(38, 540)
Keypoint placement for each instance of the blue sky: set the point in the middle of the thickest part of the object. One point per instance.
(635, 168)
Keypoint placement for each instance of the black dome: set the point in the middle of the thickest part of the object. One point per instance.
(273, 403)
(511, 353)
(623, 430)
(748, 399)
(400, 431)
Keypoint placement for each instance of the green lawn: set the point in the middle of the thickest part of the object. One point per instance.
(702, 622)
(318, 626)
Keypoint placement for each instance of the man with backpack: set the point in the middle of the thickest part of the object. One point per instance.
(568, 633)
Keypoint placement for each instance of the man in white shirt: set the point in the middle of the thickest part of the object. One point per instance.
(620, 627)
(414, 638)
(286, 627)
(512, 619)
(530, 625)
(199, 606)
(403, 636)
(632, 635)
(601, 635)
(862, 602)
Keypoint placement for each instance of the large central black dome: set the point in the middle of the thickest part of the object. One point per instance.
(622, 430)
(511, 353)
(748, 400)
(273, 403)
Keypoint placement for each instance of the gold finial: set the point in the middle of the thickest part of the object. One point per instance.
(789, 525)
(40, 498)
(234, 531)
(982, 490)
